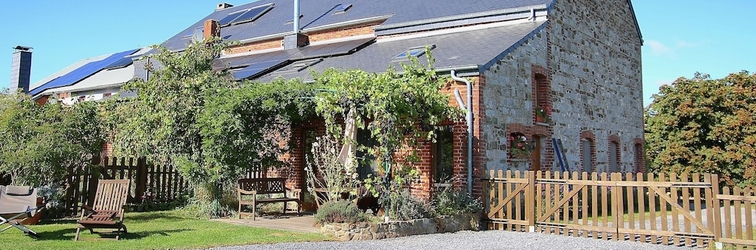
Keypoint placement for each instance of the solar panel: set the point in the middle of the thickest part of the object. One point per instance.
(331, 49)
(252, 14)
(227, 20)
(121, 63)
(82, 72)
(256, 69)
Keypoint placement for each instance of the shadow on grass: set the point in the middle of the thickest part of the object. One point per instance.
(68, 234)
(151, 216)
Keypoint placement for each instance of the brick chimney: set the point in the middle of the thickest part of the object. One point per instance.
(21, 69)
(211, 29)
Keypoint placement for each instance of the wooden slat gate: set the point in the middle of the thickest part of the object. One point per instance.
(165, 183)
(661, 209)
(506, 204)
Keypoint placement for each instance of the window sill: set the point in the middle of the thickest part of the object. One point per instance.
(543, 124)
(518, 160)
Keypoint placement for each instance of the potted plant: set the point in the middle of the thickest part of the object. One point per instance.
(519, 147)
(543, 114)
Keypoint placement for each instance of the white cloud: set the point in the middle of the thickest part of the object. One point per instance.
(686, 44)
(658, 48)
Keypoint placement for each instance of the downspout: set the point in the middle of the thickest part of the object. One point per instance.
(296, 17)
(469, 118)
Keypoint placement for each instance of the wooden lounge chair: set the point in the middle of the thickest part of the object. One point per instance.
(107, 210)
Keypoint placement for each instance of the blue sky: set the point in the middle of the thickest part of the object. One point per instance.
(681, 37)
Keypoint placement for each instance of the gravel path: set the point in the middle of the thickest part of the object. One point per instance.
(484, 240)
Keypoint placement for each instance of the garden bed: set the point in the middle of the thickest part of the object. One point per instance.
(393, 229)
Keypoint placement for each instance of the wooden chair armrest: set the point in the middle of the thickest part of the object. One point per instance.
(87, 208)
(245, 192)
(297, 192)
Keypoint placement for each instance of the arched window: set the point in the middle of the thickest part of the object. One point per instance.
(586, 154)
(614, 157)
(640, 159)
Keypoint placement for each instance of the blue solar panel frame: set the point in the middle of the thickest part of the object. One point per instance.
(82, 72)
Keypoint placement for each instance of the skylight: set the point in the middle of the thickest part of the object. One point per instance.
(342, 8)
(301, 65)
(413, 52)
(246, 15)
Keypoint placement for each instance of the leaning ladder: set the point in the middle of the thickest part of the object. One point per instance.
(559, 149)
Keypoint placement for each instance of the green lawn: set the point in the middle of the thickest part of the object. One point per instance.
(153, 230)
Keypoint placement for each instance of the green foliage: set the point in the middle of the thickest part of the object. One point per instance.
(325, 172)
(161, 123)
(451, 201)
(404, 206)
(39, 143)
(397, 109)
(339, 212)
(705, 125)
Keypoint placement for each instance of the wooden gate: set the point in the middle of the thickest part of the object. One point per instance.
(660, 209)
(509, 196)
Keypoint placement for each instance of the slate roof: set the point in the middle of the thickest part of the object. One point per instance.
(472, 49)
(319, 14)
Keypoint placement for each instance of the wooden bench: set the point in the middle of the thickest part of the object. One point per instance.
(271, 188)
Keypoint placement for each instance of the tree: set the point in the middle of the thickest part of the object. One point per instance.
(205, 123)
(705, 125)
(39, 143)
(399, 110)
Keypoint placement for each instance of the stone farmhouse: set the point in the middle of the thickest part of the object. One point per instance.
(537, 70)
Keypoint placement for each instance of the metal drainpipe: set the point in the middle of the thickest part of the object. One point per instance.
(469, 118)
(296, 16)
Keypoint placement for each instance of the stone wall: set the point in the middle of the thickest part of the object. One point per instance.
(509, 104)
(595, 65)
(393, 229)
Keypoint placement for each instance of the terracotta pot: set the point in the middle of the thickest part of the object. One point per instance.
(539, 118)
(309, 207)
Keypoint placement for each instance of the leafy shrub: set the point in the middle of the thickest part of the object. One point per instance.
(451, 202)
(339, 212)
(404, 206)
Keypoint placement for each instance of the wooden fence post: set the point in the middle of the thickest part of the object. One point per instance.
(530, 209)
(141, 178)
(616, 198)
(714, 206)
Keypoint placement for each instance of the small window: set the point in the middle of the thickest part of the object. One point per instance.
(443, 157)
(366, 162)
(613, 157)
(342, 8)
(413, 52)
(587, 155)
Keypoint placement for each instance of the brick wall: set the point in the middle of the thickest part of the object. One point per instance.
(357, 30)
(262, 45)
(595, 65)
